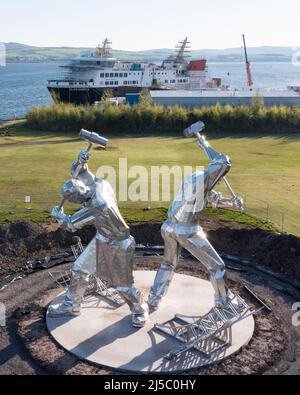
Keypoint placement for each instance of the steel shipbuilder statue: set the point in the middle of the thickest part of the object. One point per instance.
(183, 230)
(110, 254)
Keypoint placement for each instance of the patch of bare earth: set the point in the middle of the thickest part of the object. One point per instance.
(22, 241)
(272, 349)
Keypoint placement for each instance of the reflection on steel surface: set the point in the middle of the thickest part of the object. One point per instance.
(110, 255)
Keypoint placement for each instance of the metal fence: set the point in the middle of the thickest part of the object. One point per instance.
(266, 212)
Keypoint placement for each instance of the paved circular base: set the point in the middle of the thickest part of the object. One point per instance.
(103, 334)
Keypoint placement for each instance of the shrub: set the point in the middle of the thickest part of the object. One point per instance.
(146, 117)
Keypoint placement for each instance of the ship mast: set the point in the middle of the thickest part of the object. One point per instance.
(105, 49)
(183, 52)
(248, 66)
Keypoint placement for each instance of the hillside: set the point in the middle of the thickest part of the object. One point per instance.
(24, 53)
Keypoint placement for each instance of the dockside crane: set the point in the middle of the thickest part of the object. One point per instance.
(248, 66)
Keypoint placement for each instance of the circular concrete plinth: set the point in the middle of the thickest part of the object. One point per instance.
(103, 334)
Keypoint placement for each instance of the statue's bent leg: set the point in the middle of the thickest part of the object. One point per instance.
(115, 264)
(135, 299)
(83, 268)
(167, 269)
(115, 261)
(200, 248)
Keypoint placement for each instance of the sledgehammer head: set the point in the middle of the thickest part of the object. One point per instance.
(93, 138)
(194, 129)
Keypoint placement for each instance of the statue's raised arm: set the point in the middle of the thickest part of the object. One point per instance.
(219, 167)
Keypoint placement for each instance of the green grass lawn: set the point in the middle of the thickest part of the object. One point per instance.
(265, 170)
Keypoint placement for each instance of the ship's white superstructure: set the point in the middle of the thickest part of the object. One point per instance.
(85, 78)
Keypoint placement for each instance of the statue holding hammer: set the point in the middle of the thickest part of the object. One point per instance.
(110, 254)
(183, 230)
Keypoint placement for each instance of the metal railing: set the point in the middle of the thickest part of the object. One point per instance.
(266, 212)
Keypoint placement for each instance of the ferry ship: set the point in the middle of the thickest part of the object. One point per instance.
(86, 78)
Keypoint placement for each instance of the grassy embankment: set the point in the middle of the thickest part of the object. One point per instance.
(37, 163)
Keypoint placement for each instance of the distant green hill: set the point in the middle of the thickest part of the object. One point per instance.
(25, 53)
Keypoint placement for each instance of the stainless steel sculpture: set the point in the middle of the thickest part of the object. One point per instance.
(96, 286)
(110, 255)
(183, 230)
(209, 334)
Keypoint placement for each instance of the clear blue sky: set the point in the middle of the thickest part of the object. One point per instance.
(140, 24)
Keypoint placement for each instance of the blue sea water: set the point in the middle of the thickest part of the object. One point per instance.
(23, 85)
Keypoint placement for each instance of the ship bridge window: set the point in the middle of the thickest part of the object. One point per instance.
(136, 66)
(106, 75)
(111, 75)
(105, 63)
(116, 75)
(125, 75)
(125, 83)
(106, 83)
(121, 75)
(111, 82)
(101, 75)
(97, 63)
(116, 83)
